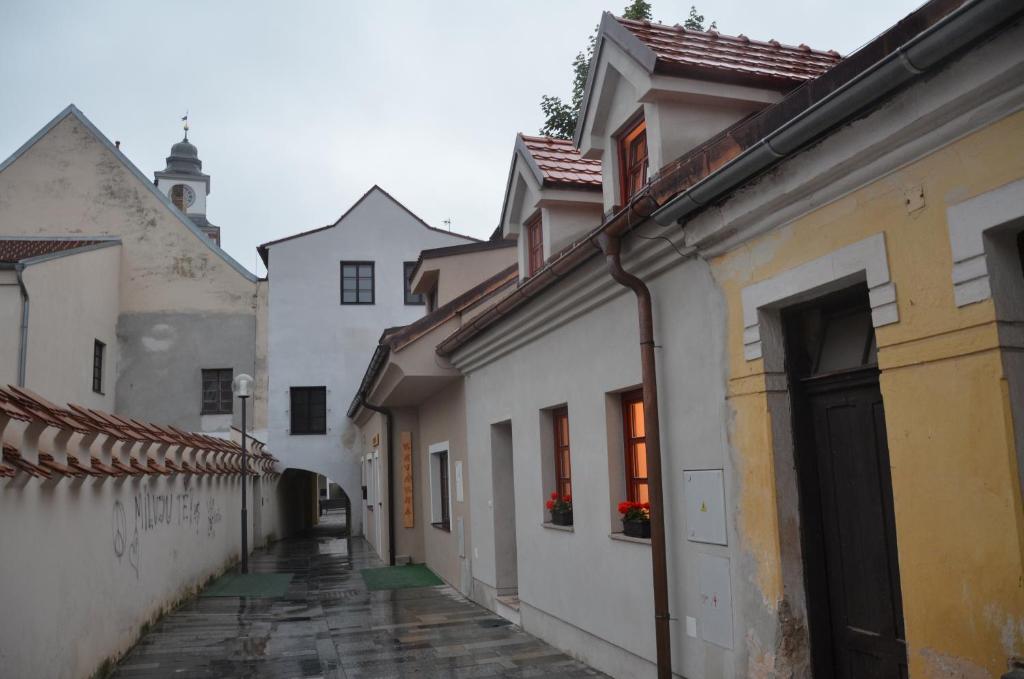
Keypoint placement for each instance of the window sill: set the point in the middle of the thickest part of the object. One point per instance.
(564, 529)
(212, 412)
(446, 527)
(621, 537)
(307, 433)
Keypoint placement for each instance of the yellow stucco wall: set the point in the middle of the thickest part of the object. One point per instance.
(957, 498)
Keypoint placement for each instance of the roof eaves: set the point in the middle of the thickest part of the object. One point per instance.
(73, 110)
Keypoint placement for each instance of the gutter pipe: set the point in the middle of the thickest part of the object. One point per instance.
(389, 428)
(612, 246)
(919, 54)
(19, 269)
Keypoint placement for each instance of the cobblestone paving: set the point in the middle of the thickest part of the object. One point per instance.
(329, 625)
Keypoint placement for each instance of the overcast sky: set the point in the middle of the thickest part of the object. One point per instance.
(297, 108)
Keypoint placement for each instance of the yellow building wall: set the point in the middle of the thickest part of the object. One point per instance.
(957, 498)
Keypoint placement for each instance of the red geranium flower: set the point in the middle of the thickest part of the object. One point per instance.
(646, 505)
(554, 495)
(567, 498)
(624, 507)
(550, 504)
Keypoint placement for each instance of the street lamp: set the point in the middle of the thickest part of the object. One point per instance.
(241, 386)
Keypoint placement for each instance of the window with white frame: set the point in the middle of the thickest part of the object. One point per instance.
(440, 488)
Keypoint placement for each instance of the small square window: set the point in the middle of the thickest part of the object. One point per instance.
(309, 410)
(98, 351)
(411, 298)
(217, 393)
(357, 283)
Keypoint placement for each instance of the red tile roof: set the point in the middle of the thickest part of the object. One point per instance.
(686, 51)
(15, 250)
(560, 162)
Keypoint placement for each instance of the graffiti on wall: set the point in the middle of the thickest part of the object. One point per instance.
(158, 513)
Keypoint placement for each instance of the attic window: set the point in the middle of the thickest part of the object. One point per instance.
(534, 245)
(633, 159)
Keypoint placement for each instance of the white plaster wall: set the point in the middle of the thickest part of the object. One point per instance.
(459, 273)
(583, 578)
(85, 564)
(73, 302)
(314, 340)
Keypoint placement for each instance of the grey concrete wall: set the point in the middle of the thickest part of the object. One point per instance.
(162, 357)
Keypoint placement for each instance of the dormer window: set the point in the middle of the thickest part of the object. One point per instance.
(534, 245)
(633, 159)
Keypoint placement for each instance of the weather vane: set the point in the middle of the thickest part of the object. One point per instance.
(184, 119)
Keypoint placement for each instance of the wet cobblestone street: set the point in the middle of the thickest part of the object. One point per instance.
(329, 625)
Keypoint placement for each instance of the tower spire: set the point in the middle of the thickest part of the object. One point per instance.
(184, 119)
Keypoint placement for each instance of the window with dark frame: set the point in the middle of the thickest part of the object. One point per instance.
(633, 160)
(411, 298)
(563, 466)
(442, 464)
(217, 393)
(98, 349)
(635, 444)
(357, 283)
(309, 410)
(534, 245)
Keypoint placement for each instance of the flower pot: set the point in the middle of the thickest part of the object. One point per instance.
(562, 518)
(637, 529)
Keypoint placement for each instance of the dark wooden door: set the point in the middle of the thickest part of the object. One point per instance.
(846, 454)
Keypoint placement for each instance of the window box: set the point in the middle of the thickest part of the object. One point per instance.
(564, 529)
(561, 517)
(637, 529)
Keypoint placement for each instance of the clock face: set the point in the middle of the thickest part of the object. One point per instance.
(182, 196)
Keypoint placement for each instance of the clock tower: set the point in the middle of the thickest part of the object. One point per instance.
(184, 183)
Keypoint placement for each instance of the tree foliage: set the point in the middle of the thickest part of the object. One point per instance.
(560, 116)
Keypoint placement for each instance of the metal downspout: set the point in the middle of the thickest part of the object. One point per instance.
(611, 246)
(389, 420)
(23, 345)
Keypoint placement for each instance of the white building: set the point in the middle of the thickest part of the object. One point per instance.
(332, 290)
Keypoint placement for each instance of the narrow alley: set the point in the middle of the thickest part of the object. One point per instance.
(330, 625)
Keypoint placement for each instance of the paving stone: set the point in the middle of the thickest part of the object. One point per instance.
(329, 625)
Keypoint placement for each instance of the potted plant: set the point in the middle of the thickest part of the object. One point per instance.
(560, 508)
(636, 519)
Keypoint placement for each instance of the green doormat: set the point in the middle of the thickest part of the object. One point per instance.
(265, 585)
(400, 577)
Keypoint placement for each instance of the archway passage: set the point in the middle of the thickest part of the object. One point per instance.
(847, 520)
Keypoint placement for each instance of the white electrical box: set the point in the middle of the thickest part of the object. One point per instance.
(705, 506)
(715, 587)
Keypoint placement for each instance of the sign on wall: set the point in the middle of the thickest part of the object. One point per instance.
(408, 516)
(375, 441)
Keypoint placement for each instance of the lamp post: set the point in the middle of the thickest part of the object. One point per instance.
(241, 386)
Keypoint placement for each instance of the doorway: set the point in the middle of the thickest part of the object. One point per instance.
(504, 510)
(848, 528)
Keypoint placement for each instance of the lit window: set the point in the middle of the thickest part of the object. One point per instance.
(635, 444)
(563, 466)
(534, 245)
(633, 160)
(217, 391)
(357, 283)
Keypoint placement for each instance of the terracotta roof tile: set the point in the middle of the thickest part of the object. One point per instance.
(682, 49)
(561, 164)
(15, 249)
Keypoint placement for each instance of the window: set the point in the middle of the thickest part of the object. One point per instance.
(309, 410)
(357, 283)
(439, 490)
(633, 160)
(563, 468)
(635, 444)
(410, 296)
(98, 348)
(217, 392)
(534, 245)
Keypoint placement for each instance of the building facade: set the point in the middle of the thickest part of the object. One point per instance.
(331, 292)
(186, 317)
